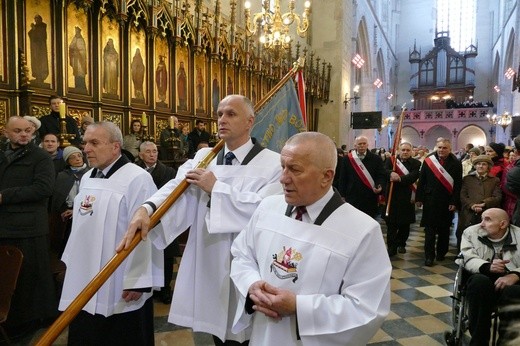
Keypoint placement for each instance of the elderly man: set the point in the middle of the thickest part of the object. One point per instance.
(402, 205)
(362, 176)
(438, 190)
(490, 254)
(301, 274)
(121, 312)
(217, 205)
(479, 192)
(161, 174)
(26, 182)
(172, 147)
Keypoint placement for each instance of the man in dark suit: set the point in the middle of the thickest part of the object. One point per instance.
(438, 191)
(26, 182)
(51, 122)
(401, 212)
(362, 176)
(161, 174)
(196, 136)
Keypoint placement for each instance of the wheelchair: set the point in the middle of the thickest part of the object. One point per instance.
(459, 310)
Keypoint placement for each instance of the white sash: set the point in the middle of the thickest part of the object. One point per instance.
(361, 170)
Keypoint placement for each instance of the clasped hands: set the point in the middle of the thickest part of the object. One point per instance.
(272, 301)
(498, 266)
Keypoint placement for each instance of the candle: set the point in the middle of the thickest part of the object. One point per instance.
(62, 110)
(172, 123)
(144, 119)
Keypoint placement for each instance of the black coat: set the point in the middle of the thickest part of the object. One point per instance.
(352, 188)
(194, 138)
(26, 183)
(435, 197)
(161, 174)
(402, 209)
(64, 182)
(51, 124)
(513, 185)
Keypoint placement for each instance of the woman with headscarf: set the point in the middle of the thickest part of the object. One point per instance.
(496, 152)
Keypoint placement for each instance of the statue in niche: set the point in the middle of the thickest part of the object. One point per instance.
(110, 68)
(253, 95)
(182, 87)
(200, 88)
(39, 57)
(137, 68)
(215, 95)
(161, 79)
(78, 59)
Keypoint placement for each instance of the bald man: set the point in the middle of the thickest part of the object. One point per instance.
(300, 272)
(362, 177)
(491, 256)
(217, 206)
(26, 182)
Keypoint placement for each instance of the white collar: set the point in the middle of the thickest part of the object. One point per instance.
(242, 151)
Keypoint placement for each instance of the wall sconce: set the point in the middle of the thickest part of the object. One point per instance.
(356, 97)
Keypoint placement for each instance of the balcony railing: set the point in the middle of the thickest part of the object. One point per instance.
(450, 115)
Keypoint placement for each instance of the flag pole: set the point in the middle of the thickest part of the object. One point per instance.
(395, 146)
(95, 284)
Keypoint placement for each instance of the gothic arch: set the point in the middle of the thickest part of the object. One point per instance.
(471, 133)
(434, 132)
(509, 55)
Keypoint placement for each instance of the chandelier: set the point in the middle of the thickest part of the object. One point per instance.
(274, 26)
(502, 120)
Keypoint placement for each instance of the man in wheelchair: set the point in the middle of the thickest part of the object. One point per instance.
(490, 254)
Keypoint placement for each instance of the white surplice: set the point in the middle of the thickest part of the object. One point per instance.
(339, 271)
(202, 298)
(102, 211)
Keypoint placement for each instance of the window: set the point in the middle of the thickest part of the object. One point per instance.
(458, 18)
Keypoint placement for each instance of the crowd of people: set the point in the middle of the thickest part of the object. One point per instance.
(268, 254)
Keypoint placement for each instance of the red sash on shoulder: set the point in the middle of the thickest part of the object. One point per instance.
(361, 170)
(440, 173)
(401, 169)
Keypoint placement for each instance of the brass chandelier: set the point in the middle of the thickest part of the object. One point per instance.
(274, 26)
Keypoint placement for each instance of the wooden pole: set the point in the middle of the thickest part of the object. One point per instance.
(95, 284)
(395, 146)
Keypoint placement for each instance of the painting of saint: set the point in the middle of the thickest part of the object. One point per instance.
(215, 92)
(182, 89)
(78, 60)
(39, 57)
(229, 87)
(137, 68)
(161, 79)
(110, 68)
(199, 84)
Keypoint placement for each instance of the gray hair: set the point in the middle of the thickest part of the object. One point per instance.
(114, 132)
(323, 152)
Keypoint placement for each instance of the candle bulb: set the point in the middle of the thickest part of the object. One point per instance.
(144, 119)
(172, 123)
(62, 110)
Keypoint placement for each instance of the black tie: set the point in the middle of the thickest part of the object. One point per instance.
(299, 212)
(229, 158)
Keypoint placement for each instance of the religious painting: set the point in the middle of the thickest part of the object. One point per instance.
(137, 68)
(216, 94)
(182, 80)
(230, 79)
(242, 81)
(78, 60)
(200, 83)
(162, 67)
(39, 43)
(254, 89)
(111, 66)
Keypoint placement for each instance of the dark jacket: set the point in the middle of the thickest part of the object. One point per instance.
(26, 183)
(476, 191)
(513, 185)
(351, 187)
(194, 138)
(402, 208)
(161, 174)
(51, 124)
(435, 197)
(64, 182)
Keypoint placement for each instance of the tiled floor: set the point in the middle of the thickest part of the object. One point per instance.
(421, 304)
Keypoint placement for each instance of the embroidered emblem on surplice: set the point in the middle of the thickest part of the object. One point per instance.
(285, 263)
(86, 206)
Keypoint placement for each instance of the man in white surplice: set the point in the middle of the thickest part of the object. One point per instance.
(217, 205)
(310, 269)
(108, 195)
